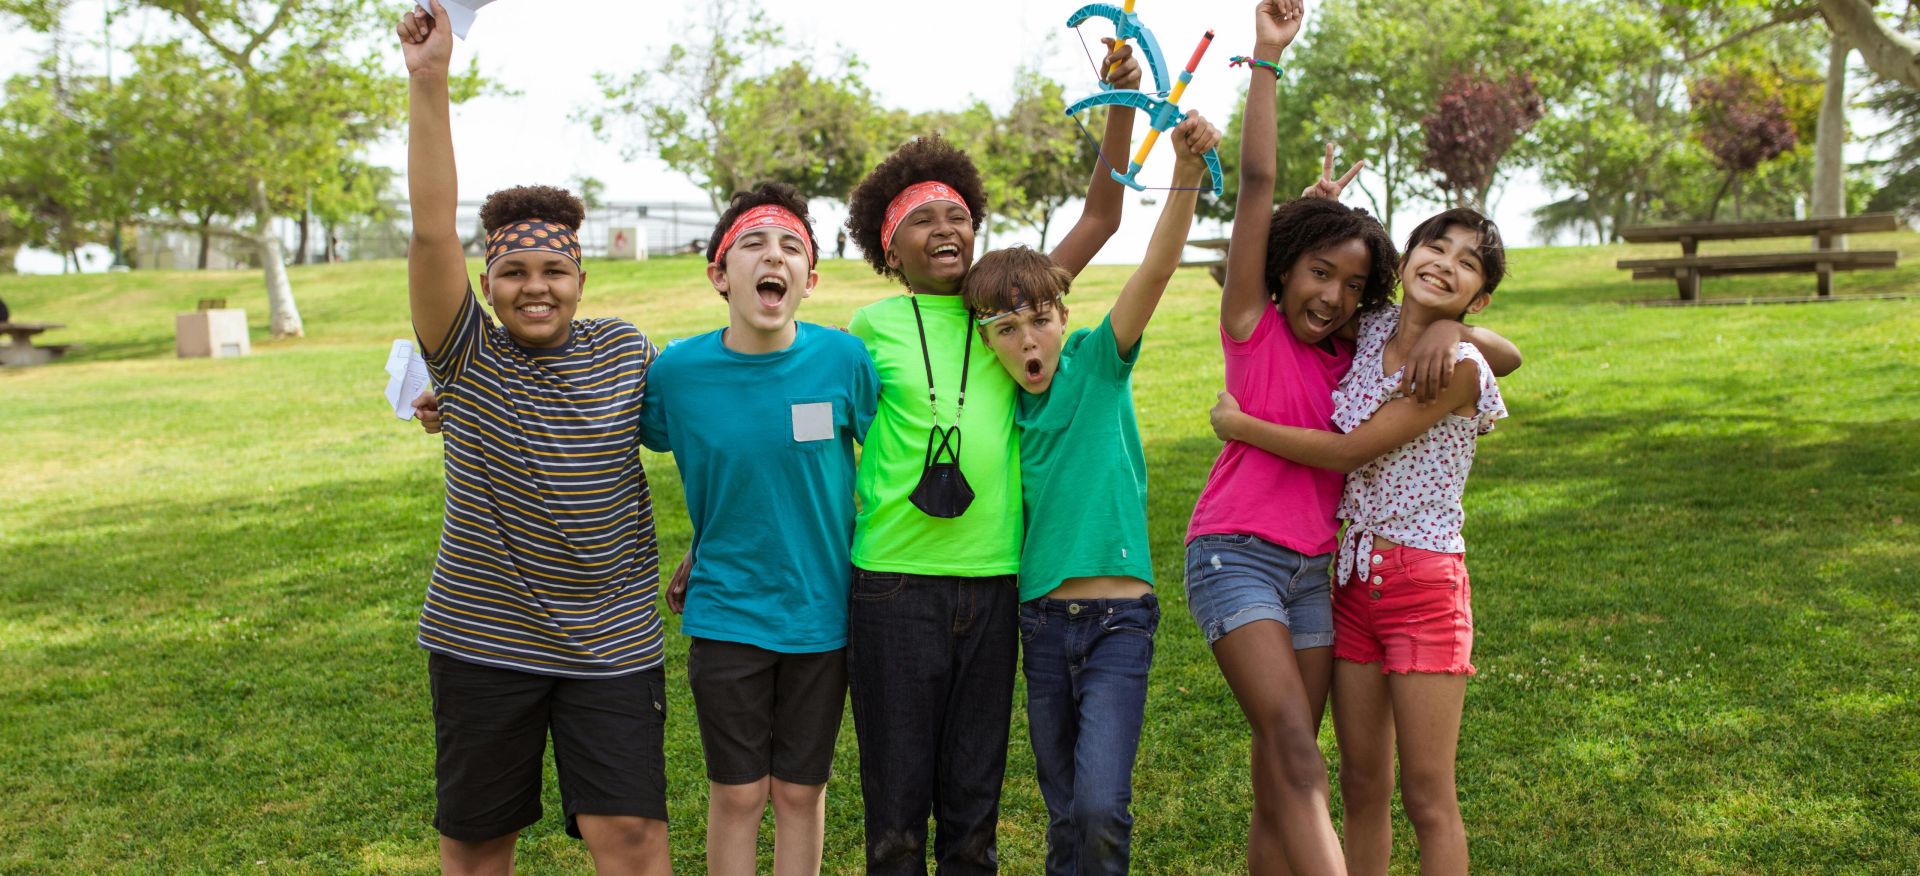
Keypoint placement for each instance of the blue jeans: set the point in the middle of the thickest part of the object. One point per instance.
(1086, 667)
(930, 666)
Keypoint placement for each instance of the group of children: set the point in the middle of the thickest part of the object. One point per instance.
(997, 505)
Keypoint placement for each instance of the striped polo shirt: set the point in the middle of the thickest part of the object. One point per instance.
(547, 560)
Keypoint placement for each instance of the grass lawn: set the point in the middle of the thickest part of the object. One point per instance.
(1694, 546)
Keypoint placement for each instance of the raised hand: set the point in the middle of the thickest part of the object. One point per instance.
(426, 41)
(1192, 138)
(1123, 71)
(1275, 24)
(1327, 186)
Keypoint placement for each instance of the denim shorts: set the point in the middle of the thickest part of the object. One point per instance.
(1234, 580)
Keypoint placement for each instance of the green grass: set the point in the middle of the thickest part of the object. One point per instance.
(1694, 548)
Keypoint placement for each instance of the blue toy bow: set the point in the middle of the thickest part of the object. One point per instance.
(1162, 115)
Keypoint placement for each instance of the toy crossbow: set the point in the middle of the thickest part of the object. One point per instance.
(1162, 107)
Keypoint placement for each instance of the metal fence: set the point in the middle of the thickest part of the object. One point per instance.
(665, 227)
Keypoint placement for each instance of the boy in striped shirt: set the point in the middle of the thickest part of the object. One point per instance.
(539, 616)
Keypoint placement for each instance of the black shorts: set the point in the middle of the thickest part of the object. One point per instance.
(766, 713)
(490, 730)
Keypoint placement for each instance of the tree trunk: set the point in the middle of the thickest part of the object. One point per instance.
(283, 316)
(1887, 52)
(1829, 160)
(306, 225)
(1713, 209)
(1046, 221)
(7, 255)
(206, 238)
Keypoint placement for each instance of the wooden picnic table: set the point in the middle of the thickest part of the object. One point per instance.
(1689, 267)
(1217, 265)
(21, 351)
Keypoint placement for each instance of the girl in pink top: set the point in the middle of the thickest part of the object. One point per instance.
(1403, 618)
(1261, 543)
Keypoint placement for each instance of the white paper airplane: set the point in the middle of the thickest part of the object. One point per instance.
(459, 13)
(406, 376)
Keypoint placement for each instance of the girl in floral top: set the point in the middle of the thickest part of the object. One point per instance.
(1402, 617)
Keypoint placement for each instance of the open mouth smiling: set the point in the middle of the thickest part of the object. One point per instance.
(772, 291)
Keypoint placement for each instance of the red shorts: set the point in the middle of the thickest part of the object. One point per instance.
(1411, 614)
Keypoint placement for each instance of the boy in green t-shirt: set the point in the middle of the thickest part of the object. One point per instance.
(1087, 612)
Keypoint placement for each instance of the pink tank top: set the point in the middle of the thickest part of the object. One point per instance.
(1252, 492)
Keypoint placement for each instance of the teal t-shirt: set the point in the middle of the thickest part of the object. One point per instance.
(892, 535)
(765, 448)
(1082, 469)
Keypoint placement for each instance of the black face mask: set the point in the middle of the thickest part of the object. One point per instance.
(943, 491)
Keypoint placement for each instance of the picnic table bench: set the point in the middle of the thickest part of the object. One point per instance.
(1217, 265)
(1689, 267)
(22, 352)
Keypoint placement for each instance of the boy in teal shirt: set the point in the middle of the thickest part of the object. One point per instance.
(1087, 612)
(762, 417)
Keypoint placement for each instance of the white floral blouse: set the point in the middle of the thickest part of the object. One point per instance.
(1411, 494)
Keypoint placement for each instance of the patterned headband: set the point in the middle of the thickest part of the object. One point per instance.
(1020, 301)
(912, 198)
(764, 216)
(536, 235)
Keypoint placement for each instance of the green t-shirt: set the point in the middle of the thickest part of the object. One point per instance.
(890, 534)
(1084, 473)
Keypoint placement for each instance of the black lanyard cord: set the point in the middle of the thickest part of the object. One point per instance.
(966, 361)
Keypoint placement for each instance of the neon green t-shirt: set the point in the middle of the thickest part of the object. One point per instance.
(890, 534)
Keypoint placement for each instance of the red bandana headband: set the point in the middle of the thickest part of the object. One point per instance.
(764, 216)
(912, 198)
(535, 235)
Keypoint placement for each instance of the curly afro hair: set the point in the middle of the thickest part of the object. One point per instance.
(521, 203)
(1492, 250)
(922, 160)
(1304, 225)
(765, 193)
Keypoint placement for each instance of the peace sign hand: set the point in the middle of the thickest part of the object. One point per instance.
(1328, 187)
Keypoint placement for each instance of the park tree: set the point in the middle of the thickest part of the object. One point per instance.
(1741, 125)
(1297, 147)
(292, 89)
(1901, 188)
(729, 113)
(1034, 157)
(1378, 66)
(57, 188)
(1474, 124)
(1887, 46)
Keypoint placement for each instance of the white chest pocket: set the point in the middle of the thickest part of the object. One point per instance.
(812, 421)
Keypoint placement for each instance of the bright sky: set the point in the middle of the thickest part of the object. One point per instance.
(918, 57)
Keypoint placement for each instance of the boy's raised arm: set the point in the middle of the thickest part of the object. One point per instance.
(1138, 299)
(436, 265)
(1100, 215)
(1244, 297)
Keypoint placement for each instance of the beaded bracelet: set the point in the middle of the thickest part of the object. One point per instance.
(1238, 60)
